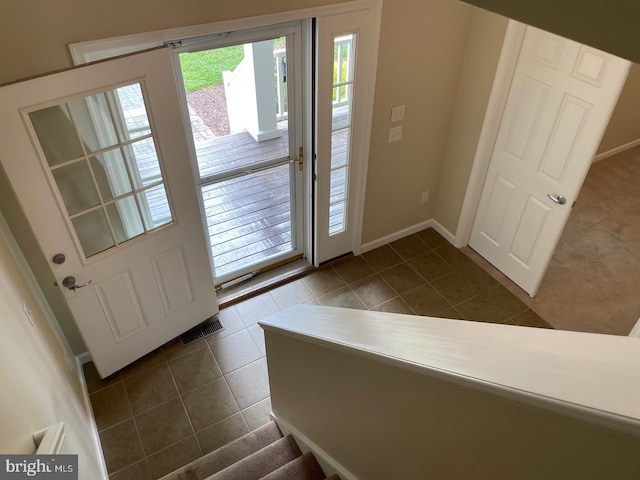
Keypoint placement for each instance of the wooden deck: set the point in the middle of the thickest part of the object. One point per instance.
(240, 150)
(248, 216)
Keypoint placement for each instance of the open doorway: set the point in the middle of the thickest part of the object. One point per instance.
(590, 284)
(592, 280)
(241, 101)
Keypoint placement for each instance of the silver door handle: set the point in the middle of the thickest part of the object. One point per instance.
(70, 283)
(559, 199)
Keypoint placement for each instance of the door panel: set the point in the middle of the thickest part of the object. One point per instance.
(344, 87)
(561, 97)
(119, 202)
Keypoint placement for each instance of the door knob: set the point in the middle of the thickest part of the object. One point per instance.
(59, 258)
(70, 283)
(559, 199)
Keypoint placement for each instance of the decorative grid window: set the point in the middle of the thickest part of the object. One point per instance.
(342, 106)
(101, 153)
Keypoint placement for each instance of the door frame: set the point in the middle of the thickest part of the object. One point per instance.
(509, 57)
(495, 108)
(298, 90)
(95, 50)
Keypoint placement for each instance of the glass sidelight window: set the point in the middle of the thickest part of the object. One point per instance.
(341, 132)
(102, 156)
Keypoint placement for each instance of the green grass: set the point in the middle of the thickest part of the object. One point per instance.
(204, 69)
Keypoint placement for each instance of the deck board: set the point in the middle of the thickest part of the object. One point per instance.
(248, 217)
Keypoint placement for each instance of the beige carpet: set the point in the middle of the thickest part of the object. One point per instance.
(263, 454)
(593, 281)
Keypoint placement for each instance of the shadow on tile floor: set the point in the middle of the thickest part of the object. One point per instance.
(182, 401)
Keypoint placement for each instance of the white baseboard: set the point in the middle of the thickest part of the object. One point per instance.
(83, 358)
(328, 464)
(635, 331)
(613, 151)
(103, 474)
(437, 226)
(409, 231)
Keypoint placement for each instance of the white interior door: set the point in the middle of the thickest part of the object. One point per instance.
(346, 62)
(560, 101)
(98, 159)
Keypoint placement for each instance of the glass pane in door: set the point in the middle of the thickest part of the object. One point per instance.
(241, 118)
(101, 154)
(343, 85)
(238, 106)
(248, 218)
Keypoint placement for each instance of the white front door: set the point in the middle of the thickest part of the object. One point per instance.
(560, 101)
(98, 159)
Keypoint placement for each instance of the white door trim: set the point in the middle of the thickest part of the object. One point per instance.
(93, 50)
(366, 113)
(497, 102)
(299, 84)
(365, 25)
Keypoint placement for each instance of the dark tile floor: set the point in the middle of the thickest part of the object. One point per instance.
(180, 402)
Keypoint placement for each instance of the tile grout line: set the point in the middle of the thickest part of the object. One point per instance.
(387, 284)
(135, 424)
(348, 287)
(235, 399)
(184, 407)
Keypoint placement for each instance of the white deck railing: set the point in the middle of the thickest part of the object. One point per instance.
(280, 67)
(343, 54)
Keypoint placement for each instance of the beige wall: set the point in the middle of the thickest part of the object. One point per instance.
(40, 30)
(39, 388)
(384, 422)
(39, 265)
(421, 50)
(421, 53)
(611, 26)
(624, 126)
(484, 45)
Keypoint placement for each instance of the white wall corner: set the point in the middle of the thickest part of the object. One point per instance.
(328, 464)
(431, 223)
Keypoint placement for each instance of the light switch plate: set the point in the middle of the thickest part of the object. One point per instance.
(397, 113)
(395, 133)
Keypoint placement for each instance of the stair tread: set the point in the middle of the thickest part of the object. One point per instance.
(227, 455)
(262, 462)
(305, 467)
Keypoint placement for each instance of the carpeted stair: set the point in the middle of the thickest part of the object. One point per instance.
(263, 454)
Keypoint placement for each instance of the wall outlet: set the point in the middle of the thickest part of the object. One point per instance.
(397, 113)
(425, 197)
(395, 134)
